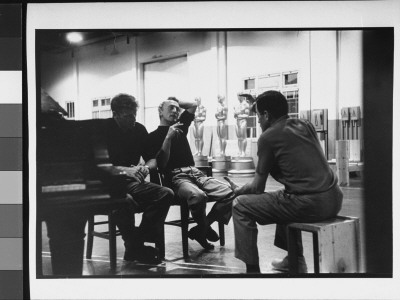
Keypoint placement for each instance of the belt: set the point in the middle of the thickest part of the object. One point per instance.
(181, 170)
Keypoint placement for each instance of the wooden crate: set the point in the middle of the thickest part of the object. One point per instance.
(336, 245)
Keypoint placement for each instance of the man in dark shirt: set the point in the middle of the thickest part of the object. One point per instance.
(125, 143)
(289, 150)
(169, 144)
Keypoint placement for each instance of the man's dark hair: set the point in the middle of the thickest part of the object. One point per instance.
(122, 102)
(273, 102)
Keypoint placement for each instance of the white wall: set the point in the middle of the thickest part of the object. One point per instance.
(261, 53)
(102, 74)
(93, 72)
(350, 69)
(201, 59)
(58, 77)
(323, 71)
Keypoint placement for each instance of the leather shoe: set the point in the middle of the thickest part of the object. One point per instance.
(211, 235)
(144, 254)
(194, 234)
(283, 264)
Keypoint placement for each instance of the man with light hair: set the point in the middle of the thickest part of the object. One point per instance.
(169, 145)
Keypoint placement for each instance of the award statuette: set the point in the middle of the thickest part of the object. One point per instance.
(221, 163)
(199, 118)
(242, 165)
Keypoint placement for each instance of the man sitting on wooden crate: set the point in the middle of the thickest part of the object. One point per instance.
(289, 150)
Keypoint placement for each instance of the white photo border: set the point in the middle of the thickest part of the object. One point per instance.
(212, 15)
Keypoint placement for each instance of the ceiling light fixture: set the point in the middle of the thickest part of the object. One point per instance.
(74, 37)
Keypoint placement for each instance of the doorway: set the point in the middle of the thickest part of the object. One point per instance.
(163, 79)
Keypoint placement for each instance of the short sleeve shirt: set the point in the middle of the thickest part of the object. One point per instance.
(180, 152)
(125, 147)
(299, 162)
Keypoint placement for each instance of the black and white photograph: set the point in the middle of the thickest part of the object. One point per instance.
(238, 146)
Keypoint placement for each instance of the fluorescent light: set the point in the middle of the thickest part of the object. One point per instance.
(74, 37)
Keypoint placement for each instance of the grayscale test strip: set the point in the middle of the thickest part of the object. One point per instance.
(11, 255)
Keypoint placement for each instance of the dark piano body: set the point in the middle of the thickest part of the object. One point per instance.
(74, 181)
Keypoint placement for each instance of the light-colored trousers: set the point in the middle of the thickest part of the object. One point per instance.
(278, 208)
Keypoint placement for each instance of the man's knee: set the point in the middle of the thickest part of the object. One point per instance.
(237, 203)
(166, 196)
(168, 193)
(197, 201)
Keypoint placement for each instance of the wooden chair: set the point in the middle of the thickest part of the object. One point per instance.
(185, 219)
(102, 158)
(111, 235)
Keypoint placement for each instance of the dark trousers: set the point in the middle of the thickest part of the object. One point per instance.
(151, 199)
(278, 208)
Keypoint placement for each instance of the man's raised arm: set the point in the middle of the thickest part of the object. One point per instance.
(190, 106)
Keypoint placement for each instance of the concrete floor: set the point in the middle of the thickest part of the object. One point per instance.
(221, 260)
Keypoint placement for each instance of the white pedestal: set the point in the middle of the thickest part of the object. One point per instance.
(221, 165)
(242, 167)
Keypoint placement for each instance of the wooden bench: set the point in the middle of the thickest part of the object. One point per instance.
(336, 245)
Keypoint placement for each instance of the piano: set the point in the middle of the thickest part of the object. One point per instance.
(74, 182)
